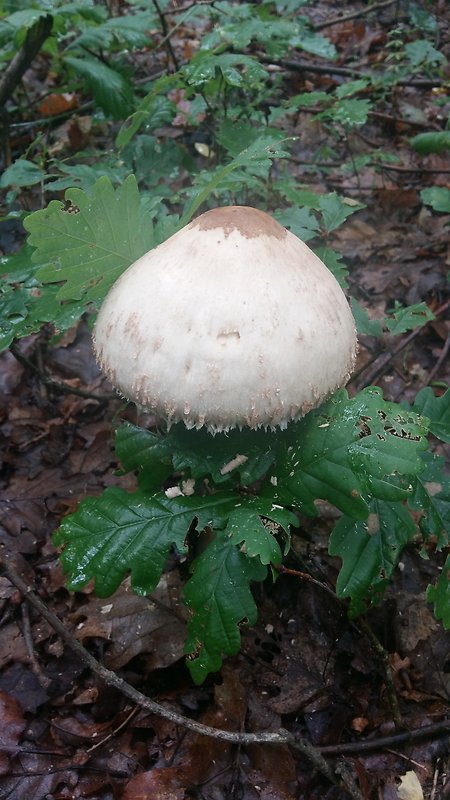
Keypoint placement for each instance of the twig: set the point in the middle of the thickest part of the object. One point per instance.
(28, 637)
(166, 34)
(303, 747)
(380, 363)
(383, 742)
(305, 576)
(353, 15)
(314, 755)
(388, 679)
(114, 733)
(34, 40)
(180, 9)
(417, 169)
(331, 69)
(440, 360)
(60, 386)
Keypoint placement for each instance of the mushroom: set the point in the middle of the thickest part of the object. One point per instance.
(232, 322)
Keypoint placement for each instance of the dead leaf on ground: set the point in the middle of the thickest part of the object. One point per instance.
(410, 787)
(136, 625)
(12, 726)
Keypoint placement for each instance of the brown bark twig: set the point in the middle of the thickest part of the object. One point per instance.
(34, 40)
(433, 731)
(166, 34)
(380, 363)
(314, 755)
(442, 358)
(383, 657)
(331, 69)
(59, 386)
(353, 15)
(301, 746)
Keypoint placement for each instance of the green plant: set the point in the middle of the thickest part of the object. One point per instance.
(366, 456)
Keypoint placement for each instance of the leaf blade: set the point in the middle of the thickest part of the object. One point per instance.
(119, 532)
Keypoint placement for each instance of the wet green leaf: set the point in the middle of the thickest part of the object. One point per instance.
(369, 551)
(120, 533)
(349, 451)
(87, 242)
(219, 595)
(439, 595)
(437, 409)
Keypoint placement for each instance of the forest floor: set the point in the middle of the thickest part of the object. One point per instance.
(64, 732)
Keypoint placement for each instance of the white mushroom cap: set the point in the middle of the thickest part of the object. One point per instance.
(231, 322)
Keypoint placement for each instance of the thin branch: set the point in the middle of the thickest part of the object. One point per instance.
(429, 732)
(331, 69)
(314, 755)
(442, 358)
(34, 40)
(180, 9)
(166, 34)
(353, 15)
(58, 385)
(416, 169)
(28, 637)
(303, 747)
(305, 576)
(381, 362)
(383, 656)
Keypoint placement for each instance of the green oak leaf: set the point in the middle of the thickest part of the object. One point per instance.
(120, 533)
(437, 409)
(253, 524)
(87, 242)
(146, 452)
(438, 197)
(350, 450)
(431, 142)
(335, 210)
(26, 304)
(369, 551)
(439, 595)
(432, 498)
(400, 321)
(248, 454)
(219, 596)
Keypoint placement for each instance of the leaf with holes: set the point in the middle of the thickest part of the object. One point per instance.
(120, 533)
(219, 596)
(85, 243)
(350, 450)
(25, 304)
(254, 523)
(408, 318)
(369, 551)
